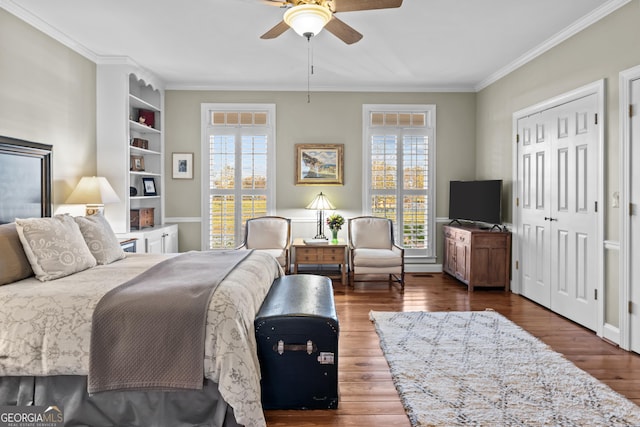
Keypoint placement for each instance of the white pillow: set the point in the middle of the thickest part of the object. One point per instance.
(100, 239)
(54, 246)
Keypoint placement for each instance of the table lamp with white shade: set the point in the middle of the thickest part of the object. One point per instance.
(320, 203)
(94, 192)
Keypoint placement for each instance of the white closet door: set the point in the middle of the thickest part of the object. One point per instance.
(558, 158)
(574, 191)
(634, 256)
(533, 179)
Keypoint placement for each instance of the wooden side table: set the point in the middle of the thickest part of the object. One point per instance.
(331, 253)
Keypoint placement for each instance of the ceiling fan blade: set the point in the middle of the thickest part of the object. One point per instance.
(342, 31)
(352, 5)
(280, 28)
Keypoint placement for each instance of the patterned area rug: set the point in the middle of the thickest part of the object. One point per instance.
(479, 368)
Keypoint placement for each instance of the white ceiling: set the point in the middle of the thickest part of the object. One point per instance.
(424, 45)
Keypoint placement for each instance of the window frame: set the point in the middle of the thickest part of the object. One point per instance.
(237, 130)
(428, 254)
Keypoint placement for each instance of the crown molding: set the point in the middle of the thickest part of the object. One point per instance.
(147, 75)
(610, 6)
(584, 22)
(13, 8)
(116, 60)
(222, 87)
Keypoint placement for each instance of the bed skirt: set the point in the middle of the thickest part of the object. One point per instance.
(119, 408)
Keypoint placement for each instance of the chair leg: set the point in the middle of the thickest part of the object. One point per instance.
(399, 279)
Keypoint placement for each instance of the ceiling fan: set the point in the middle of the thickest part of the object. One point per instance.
(309, 17)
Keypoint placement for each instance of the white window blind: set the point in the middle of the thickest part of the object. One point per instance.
(399, 161)
(238, 169)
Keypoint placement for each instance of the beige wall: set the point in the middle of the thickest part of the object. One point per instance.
(331, 117)
(48, 95)
(598, 52)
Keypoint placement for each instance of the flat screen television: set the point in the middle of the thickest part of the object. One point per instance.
(477, 201)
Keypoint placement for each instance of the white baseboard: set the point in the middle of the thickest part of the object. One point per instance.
(422, 268)
(175, 220)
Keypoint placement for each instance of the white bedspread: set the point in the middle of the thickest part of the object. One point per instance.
(45, 328)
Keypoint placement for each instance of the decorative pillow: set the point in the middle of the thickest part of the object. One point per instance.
(54, 246)
(100, 239)
(14, 264)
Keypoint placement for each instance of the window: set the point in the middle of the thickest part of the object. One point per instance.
(399, 160)
(238, 169)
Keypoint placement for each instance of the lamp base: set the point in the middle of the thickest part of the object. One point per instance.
(93, 210)
(320, 229)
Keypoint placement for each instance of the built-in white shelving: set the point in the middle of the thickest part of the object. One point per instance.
(125, 93)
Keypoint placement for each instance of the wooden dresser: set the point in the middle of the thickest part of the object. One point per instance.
(477, 257)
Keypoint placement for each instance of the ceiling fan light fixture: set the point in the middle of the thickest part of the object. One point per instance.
(307, 19)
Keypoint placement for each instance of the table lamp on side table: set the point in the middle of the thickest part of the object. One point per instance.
(320, 203)
(94, 192)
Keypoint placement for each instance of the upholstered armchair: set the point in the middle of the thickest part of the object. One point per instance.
(372, 251)
(270, 234)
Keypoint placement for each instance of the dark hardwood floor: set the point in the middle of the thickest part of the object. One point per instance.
(367, 395)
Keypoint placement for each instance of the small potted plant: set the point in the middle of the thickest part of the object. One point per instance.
(335, 223)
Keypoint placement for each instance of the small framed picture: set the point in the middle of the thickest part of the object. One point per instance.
(182, 165)
(149, 187)
(137, 163)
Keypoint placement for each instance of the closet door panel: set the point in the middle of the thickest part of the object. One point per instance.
(533, 170)
(574, 190)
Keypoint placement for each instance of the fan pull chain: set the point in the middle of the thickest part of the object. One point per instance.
(309, 69)
(311, 58)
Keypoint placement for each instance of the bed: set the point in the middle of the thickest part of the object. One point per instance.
(45, 337)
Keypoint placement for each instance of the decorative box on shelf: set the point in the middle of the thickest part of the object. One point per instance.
(140, 143)
(142, 217)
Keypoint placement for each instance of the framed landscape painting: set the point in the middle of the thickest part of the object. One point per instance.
(319, 164)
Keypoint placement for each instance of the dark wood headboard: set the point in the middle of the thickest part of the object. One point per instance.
(25, 179)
